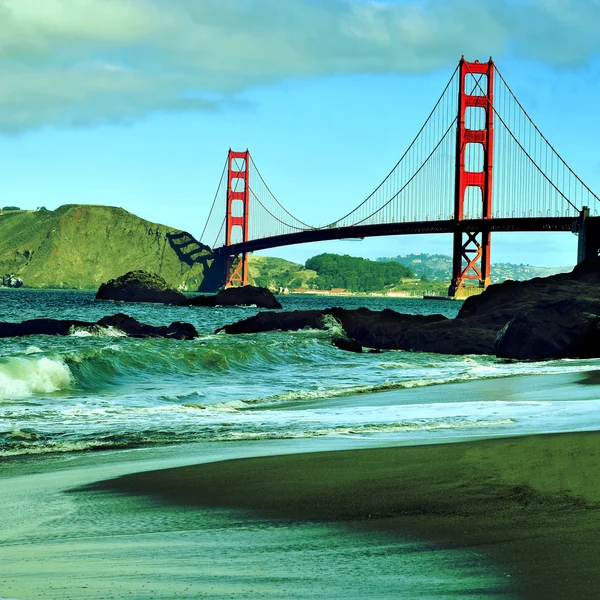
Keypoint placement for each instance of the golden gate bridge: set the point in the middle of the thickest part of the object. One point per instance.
(478, 165)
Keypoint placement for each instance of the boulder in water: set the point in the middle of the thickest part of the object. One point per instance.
(248, 295)
(347, 344)
(282, 321)
(128, 325)
(133, 328)
(553, 317)
(140, 286)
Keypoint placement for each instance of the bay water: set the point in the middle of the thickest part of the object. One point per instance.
(91, 392)
(75, 410)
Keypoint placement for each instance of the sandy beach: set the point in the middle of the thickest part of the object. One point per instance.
(531, 504)
(331, 517)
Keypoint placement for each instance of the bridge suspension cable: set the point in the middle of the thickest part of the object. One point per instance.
(554, 151)
(396, 199)
(269, 216)
(273, 197)
(211, 230)
(530, 178)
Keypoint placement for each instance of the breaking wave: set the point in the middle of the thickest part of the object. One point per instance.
(23, 376)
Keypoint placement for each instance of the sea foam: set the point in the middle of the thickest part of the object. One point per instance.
(22, 377)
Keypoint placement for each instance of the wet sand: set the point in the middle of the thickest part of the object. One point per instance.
(531, 505)
(61, 541)
(327, 517)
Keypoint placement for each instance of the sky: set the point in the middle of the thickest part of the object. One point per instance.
(135, 103)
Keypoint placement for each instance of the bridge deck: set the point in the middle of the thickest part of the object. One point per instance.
(362, 231)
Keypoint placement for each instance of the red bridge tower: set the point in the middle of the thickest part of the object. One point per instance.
(471, 255)
(237, 216)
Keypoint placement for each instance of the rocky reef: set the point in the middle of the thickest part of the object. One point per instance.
(127, 325)
(544, 318)
(248, 295)
(140, 286)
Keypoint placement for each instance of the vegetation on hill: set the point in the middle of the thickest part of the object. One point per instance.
(438, 267)
(356, 274)
(81, 246)
(275, 273)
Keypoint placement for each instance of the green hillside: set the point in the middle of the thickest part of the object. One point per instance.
(327, 271)
(356, 274)
(273, 273)
(82, 246)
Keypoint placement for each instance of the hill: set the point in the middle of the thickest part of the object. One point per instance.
(327, 271)
(438, 267)
(82, 246)
(356, 274)
(275, 273)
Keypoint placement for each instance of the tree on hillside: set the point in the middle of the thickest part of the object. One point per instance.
(356, 274)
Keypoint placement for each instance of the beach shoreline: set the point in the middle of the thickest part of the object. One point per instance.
(502, 515)
(531, 504)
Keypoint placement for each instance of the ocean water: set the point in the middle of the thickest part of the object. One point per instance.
(83, 392)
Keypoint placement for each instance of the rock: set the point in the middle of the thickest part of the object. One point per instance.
(560, 329)
(283, 321)
(133, 328)
(140, 286)
(128, 325)
(553, 317)
(247, 295)
(387, 330)
(544, 318)
(347, 344)
(39, 327)
(501, 302)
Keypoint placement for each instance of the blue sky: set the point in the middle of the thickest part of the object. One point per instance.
(135, 103)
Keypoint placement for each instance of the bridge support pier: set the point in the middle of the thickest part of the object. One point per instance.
(236, 271)
(588, 230)
(470, 261)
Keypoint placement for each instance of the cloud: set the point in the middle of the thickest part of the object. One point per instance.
(83, 62)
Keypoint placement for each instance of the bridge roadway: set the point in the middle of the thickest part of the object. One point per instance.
(450, 226)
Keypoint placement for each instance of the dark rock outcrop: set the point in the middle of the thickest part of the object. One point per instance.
(559, 329)
(553, 317)
(387, 330)
(347, 344)
(140, 286)
(128, 325)
(383, 330)
(248, 295)
(283, 321)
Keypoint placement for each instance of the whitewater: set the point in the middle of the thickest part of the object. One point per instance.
(106, 391)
